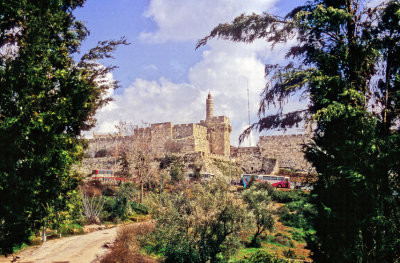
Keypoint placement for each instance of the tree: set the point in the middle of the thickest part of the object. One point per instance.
(200, 223)
(141, 162)
(346, 61)
(125, 165)
(175, 166)
(46, 100)
(139, 155)
(258, 201)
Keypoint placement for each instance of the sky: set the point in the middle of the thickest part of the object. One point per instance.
(163, 78)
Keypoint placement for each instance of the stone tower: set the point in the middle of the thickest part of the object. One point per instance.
(209, 107)
(218, 130)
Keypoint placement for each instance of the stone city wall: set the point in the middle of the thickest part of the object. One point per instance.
(160, 134)
(287, 149)
(252, 161)
(202, 143)
(109, 143)
(183, 130)
(186, 144)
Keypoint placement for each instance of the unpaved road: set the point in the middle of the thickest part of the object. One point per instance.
(75, 249)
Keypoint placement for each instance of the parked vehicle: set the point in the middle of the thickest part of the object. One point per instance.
(107, 176)
(276, 181)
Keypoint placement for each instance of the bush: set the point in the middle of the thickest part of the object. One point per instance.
(255, 244)
(200, 224)
(116, 209)
(298, 214)
(102, 153)
(280, 196)
(283, 240)
(126, 248)
(289, 253)
(111, 210)
(92, 188)
(181, 252)
(262, 256)
(70, 229)
(287, 196)
(108, 191)
(298, 235)
(140, 209)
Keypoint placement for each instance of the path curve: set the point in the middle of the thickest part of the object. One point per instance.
(74, 249)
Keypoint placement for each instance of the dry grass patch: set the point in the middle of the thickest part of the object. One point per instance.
(126, 248)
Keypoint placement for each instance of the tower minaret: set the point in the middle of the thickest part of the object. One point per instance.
(209, 107)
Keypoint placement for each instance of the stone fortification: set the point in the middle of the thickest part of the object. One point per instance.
(105, 142)
(252, 161)
(210, 136)
(287, 149)
(218, 134)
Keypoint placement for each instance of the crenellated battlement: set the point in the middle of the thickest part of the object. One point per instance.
(210, 136)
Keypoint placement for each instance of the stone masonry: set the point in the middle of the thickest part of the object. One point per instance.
(287, 149)
(210, 138)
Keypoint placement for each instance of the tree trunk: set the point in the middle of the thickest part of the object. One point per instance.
(141, 189)
(44, 233)
(253, 242)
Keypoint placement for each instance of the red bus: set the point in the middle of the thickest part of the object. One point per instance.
(276, 181)
(106, 176)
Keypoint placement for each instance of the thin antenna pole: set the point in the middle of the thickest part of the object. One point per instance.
(248, 106)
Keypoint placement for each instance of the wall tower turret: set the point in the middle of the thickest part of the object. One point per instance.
(209, 107)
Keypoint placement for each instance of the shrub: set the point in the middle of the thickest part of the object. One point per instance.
(101, 153)
(108, 191)
(70, 229)
(283, 240)
(92, 188)
(126, 248)
(287, 196)
(116, 209)
(181, 252)
(262, 256)
(280, 196)
(256, 243)
(200, 224)
(139, 208)
(298, 235)
(298, 214)
(258, 201)
(112, 210)
(289, 253)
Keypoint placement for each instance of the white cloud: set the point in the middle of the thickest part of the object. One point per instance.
(226, 69)
(374, 3)
(182, 20)
(151, 67)
(152, 102)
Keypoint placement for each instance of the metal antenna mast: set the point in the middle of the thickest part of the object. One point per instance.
(248, 106)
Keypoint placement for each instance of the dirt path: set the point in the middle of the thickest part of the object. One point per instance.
(75, 249)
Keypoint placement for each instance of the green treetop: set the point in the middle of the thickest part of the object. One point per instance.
(46, 101)
(346, 62)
